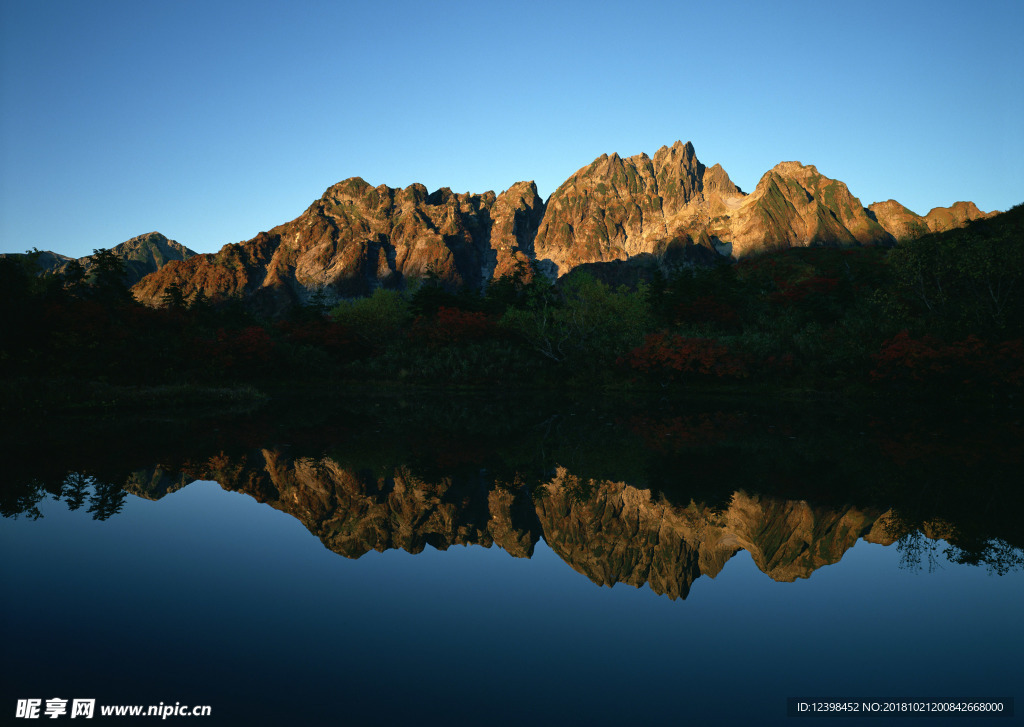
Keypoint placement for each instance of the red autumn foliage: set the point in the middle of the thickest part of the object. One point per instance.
(970, 362)
(452, 325)
(673, 355)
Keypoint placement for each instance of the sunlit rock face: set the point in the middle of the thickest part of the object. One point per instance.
(903, 224)
(615, 209)
(957, 215)
(357, 237)
(610, 532)
(794, 206)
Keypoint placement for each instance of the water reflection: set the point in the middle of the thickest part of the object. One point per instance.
(610, 531)
(207, 595)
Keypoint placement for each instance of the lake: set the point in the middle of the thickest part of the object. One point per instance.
(443, 562)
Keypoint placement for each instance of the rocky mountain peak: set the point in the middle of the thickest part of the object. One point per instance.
(351, 189)
(678, 155)
(716, 179)
(153, 250)
(795, 205)
(795, 170)
(957, 215)
(677, 149)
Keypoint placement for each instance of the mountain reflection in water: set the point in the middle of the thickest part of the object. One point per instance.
(706, 486)
(609, 531)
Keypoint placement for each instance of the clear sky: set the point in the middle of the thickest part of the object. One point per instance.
(211, 121)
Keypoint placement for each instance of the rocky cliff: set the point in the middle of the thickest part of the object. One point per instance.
(615, 208)
(795, 205)
(357, 237)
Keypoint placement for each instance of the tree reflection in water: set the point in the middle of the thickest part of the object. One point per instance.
(105, 499)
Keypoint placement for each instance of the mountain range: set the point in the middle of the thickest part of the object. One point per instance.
(668, 210)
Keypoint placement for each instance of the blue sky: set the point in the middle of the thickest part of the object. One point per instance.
(211, 121)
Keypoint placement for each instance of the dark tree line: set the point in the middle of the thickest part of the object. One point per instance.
(944, 310)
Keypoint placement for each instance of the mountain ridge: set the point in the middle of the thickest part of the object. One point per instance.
(668, 209)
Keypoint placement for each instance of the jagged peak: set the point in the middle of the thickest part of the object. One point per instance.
(677, 146)
(716, 178)
(794, 168)
(604, 167)
(350, 182)
(956, 207)
(440, 196)
(143, 245)
(146, 236)
(524, 187)
(890, 204)
(350, 188)
(678, 157)
(532, 185)
(970, 206)
(677, 149)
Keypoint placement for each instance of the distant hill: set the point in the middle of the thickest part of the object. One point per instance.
(903, 224)
(142, 255)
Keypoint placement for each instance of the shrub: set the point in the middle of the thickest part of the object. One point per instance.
(451, 325)
(381, 316)
(589, 327)
(970, 362)
(672, 355)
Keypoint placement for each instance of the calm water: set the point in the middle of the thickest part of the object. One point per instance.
(312, 589)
